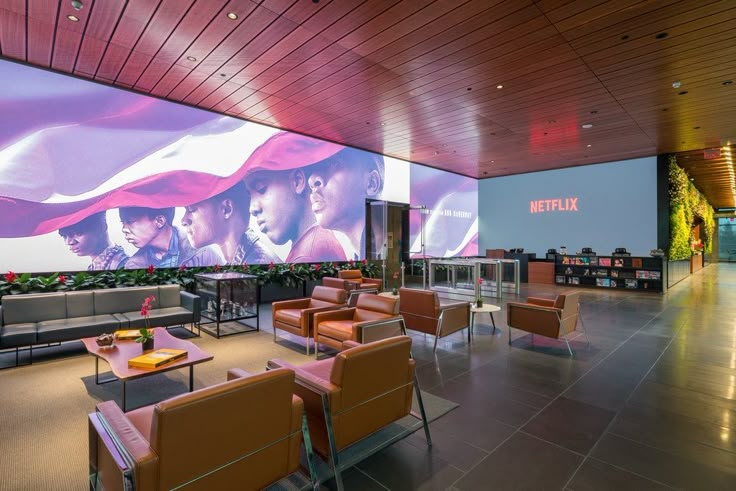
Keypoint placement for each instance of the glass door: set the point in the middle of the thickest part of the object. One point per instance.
(727, 239)
(377, 234)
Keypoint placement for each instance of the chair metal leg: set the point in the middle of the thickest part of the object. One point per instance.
(316, 348)
(585, 332)
(306, 341)
(331, 440)
(569, 349)
(309, 452)
(423, 413)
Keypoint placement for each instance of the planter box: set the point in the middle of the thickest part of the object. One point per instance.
(696, 263)
(677, 271)
(271, 293)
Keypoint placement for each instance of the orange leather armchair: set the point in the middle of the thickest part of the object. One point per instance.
(350, 324)
(245, 433)
(297, 316)
(349, 397)
(552, 318)
(352, 279)
(423, 312)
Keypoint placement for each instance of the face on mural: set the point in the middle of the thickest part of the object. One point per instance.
(82, 243)
(139, 230)
(338, 192)
(200, 221)
(276, 204)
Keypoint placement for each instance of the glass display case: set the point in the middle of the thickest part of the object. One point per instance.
(228, 301)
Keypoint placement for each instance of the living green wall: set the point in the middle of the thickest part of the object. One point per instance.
(687, 205)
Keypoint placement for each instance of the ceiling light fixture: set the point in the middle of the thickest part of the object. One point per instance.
(77, 5)
(72, 18)
(232, 15)
(661, 35)
(727, 82)
(589, 145)
(191, 58)
(624, 37)
(586, 125)
(676, 84)
(682, 93)
(499, 86)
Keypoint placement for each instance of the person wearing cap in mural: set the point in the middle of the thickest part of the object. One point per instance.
(279, 192)
(223, 220)
(339, 187)
(159, 243)
(89, 237)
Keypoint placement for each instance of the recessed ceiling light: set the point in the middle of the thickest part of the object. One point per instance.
(676, 84)
(682, 93)
(661, 35)
(232, 15)
(470, 88)
(77, 5)
(594, 111)
(223, 74)
(493, 161)
(587, 125)
(727, 82)
(624, 37)
(191, 58)
(589, 145)
(72, 18)
(696, 127)
(664, 109)
(499, 86)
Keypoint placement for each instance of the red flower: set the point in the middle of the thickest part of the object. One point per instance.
(270, 266)
(182, 267)
(150, 269)
(317, 267)
(62, 279)
(396, 275)
(480, 281)
(291, 267)
(146, 305)
(10, 277)
(217, 268)
(351, 262)
(245, 266)
(364, 262)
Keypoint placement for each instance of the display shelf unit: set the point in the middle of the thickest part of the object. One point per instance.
(231, 298)
(619, 272)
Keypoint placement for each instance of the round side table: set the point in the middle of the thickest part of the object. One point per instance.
(485, 308)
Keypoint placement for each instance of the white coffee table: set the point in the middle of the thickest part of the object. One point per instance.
(489, 308)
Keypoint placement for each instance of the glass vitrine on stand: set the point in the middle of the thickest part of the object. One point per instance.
(228, 301)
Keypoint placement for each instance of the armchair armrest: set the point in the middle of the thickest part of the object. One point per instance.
(192, 303)
(236, 373)
(453, 305)
(545, 302)
(334, 282)
(113, 436)
(334, 315)
(303, 378)
(352, 284)
(296, 303)
(380, 328)
(377, 282)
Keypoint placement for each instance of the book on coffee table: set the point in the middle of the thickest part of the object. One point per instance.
(127, 334)
(156, 358)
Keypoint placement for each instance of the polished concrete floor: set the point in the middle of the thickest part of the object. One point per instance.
(651, 404)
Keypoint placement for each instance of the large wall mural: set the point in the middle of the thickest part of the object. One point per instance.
(93, 177)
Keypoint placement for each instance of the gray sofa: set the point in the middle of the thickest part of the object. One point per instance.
(43, 318)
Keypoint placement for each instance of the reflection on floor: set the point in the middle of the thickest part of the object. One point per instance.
(651, 404)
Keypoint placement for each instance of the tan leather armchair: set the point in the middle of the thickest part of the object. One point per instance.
(297, 316)
(423, 312)
(244, 433)
(352, 279)
(349, 397)
(552, 318)
(371, 312)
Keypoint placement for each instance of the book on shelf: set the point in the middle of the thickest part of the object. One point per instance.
(603, 282)
(632, 284)
(560, 279)
(636, 262)
(604, 261)
(655, 275)
(156, 358)
(574, 280)
(618, 262)
(593, 260)
(642, 274)
(614, 273)
(614, 284)
(601, 272)
(568, 270)
(565, 260)
(586, 272)
(127, 334)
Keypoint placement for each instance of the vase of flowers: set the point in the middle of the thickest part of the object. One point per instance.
(146, 333)
(479, 295)
(395, 290)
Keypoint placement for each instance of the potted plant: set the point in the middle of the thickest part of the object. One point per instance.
(146, 333)
(395, 290)
(479, 295)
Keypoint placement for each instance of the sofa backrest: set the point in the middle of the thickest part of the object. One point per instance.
(80, 304)
(351, 274)
(168, 296)
(420, 309)
(199, 432)
(18, 309)
(120, 300)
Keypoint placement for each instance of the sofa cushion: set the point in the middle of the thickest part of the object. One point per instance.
(341, 330)
(20, 309)
(168, 296)
(15, 335)
(169, 316)
(123, 299)
(75, 328)
(80, 304)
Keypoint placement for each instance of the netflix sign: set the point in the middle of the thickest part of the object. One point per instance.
(554, 204)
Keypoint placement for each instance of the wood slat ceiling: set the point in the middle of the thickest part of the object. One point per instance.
(417, 79)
